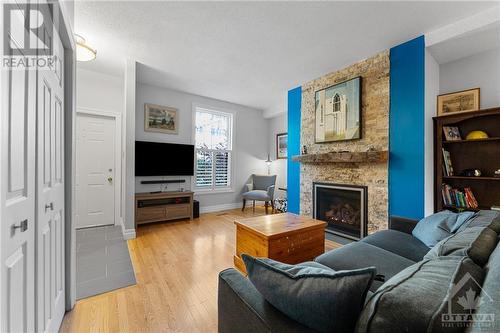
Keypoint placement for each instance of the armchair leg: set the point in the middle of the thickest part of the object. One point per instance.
(244, 203)
(272, 206)
(266, 204)
(254, 206)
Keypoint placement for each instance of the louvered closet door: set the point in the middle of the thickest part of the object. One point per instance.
(50, 188)
(17, 189)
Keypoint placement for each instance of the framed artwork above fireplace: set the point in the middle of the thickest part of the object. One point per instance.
(338, 112)
(343, 207)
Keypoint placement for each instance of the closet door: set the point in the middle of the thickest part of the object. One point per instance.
(50, 191)
(17, 187)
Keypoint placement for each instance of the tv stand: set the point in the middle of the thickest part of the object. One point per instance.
(163, 206)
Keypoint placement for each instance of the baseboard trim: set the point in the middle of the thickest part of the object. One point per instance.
(128, 233)
(218, 208)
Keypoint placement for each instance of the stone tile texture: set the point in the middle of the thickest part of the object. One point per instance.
(374, 72)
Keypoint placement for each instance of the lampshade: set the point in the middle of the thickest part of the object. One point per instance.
(83, 51)
(268, 161)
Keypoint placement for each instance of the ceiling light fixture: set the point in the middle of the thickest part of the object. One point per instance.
(83, 51)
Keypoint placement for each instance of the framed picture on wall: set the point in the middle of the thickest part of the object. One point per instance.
(338, 112)
(281, 145)
(161, 119)
(460, 101)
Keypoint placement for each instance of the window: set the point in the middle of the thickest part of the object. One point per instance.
(336, 102)
(213, 134)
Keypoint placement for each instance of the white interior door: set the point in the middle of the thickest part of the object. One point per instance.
(95, 170)
(17, 191)
(50, 197)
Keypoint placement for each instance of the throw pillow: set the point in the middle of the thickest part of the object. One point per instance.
(310, 293)
(476, 242)
(432, 229)
(420, 297)
(462, 218)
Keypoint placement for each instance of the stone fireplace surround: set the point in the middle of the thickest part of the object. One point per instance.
(374, 130)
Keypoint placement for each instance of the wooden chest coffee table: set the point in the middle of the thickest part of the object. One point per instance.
(286, 237)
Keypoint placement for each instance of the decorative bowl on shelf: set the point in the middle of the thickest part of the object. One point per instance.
(476, 135)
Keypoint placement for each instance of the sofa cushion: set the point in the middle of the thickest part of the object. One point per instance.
(495, 224)
(239, 302)
(484, 218)
(310, 293)
(477, 243)
(420, 297)
(488, 310)
(436, 227)
(400, 243)
(256, 195)
(359, 255)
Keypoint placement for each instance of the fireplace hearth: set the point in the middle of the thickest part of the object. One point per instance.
(343, 207)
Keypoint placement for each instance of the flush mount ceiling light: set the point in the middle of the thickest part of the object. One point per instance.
(83, 51)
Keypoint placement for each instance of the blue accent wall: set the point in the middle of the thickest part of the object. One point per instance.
(293, 168)
(406, 129)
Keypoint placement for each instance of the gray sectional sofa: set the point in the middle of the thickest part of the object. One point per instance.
(413, 290)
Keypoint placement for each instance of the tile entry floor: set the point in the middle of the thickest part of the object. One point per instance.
(102, 261)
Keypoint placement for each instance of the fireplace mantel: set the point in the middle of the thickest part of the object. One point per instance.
(344, 157)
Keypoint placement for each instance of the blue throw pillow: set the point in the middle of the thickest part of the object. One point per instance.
(310, 293)
(432, 229)
(461, 219)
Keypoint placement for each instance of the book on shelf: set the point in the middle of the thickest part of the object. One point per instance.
(448, 168)
(453, 197)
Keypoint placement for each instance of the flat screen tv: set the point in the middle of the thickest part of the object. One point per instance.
(163, 159)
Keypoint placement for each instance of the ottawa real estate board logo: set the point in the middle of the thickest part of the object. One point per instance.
(465, 298)
(27, 36)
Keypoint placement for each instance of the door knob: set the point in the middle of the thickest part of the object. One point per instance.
(49, 206)
(110, 179)
(23, 226)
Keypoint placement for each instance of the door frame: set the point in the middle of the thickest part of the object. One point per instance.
(66, 33)
(117, 117)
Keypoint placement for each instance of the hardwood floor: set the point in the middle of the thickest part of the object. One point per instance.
(176, 266)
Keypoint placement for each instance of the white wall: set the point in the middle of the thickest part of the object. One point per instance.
(129, 140)
(277, 125)
(99, 91)
(431, 92)
(106, 93)
(250, 141)
(480, 70)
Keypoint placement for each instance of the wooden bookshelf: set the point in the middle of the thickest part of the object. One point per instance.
(454, 208)
(482, 154)
(471, 178)
(471, 141)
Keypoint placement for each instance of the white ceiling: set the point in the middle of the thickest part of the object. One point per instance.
(468, 44)
(251, 53)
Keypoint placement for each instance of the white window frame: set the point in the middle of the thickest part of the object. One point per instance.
(214, 189)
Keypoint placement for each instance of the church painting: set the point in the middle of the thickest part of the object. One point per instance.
(338, 112)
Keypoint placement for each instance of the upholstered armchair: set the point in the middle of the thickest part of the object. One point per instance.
(260, 188)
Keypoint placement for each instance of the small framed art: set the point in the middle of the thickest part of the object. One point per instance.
(451, 133)
(162, 119)
(460, 101)
(281, 145)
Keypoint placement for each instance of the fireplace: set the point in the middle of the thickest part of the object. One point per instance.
(343, 207)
